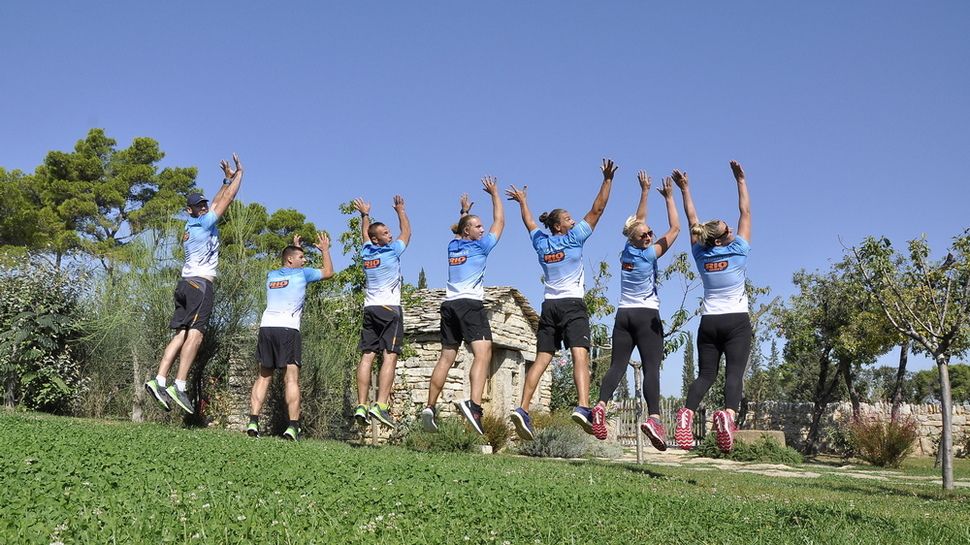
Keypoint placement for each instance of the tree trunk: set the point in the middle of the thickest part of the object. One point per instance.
(823, 394)
(946, 441)
(9, 399)
(138, 394)
(897, 398)
(845, 369)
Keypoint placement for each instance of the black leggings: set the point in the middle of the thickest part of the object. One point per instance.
(640, 327)
(728, 334)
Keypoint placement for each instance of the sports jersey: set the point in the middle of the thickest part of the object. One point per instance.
(285, 292)
(382, 270)
(201, 241)
(638, 277)
(466, 267)
(722, 269)
(561, 258)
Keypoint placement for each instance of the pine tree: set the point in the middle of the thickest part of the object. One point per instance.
(422, 280)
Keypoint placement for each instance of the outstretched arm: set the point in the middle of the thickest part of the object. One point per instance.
(665, 242)
(680, 178)
(465, 203)
(744, 202)
(518, 195)
(226, 194)
(402, 218)
(364, 209)
(490, 186)
(644, 180)
(323, 244)
(599, 203)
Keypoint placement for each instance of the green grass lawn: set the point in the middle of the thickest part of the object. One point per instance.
(82, 481)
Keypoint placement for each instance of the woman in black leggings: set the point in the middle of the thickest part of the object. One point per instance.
(637, 321)
(722, 259)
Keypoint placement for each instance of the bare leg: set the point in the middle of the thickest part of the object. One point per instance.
(292, 391)
(447, 358)
(581, 373)
(171, 352)
(193, 339)
(533, 376)
(363, 376)
(482, 350)
(385, 380)
(259, 390)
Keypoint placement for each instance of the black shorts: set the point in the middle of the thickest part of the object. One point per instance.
(278, 347)
(464, 319)
(563, 322)
(383, 329)
(193, 304)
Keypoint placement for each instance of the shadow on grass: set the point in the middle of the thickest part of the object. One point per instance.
(909, 491)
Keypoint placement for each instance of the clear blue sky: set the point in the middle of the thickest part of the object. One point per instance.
(850, 118)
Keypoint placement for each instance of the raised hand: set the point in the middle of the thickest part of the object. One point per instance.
(490, 185)
(668, 187)
(362, 206)
(398, 203)
(609, 169)
(737, 170)
(297, 240)
(226, 170)
(680, 178)
(466, 203)
(644, 180)
(517, 195)
(235, 159)
(323, 242)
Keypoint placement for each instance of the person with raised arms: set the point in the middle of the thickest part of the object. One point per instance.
(280, 345)
(194, 293)
(725, 329)
(463, 315)
(564, 319)
(637, 322)
(383, 328)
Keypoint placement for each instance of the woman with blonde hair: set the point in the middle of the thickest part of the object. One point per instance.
(725, 329)
(637, 322)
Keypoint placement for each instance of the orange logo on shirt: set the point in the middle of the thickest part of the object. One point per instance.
(278, 284)
(457, 260)
(716, 266)
(372, 263)
(554, 258)
(627, 266)
(185, 236)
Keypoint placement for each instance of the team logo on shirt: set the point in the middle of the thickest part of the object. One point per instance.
(715, 266)
(554, 257)
(372, 263)
(277, 284)
(457, 260)
(626, 266)
(185, 236)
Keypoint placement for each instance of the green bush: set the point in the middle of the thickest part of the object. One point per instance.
(883, 443)
(556, 442)
(839, 440)
(762, 449)
(497, 432)
(452, 436)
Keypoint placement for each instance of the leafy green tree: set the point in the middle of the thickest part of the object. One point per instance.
(926, 384)
(422, 280)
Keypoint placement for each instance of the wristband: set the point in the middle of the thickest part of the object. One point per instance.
(226, 181)
(463, 212)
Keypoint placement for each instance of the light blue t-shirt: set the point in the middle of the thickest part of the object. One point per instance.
(201, 242)
(382, 271)
(723, 270)
(466, 267)
(561, 259)
(638, 277)
(285, 292)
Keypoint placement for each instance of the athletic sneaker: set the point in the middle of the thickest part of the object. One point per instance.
(292, 433)
(252, 429)
(474, 417)
(523, 424)
(584, 417)
(724, 429)
(381, 413)
(360, 415)
(428, 419)
(180, 398)
(599, 422)
(655, 431)
(683, 430)
(159, 393)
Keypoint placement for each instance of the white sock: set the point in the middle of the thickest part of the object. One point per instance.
(180, 385)
(160, 380)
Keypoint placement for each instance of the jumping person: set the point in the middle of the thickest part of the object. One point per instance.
(564, 319)
(383, 329)
(637, 322)
(280, 345)
(463, 314)
(722, 258)
(193, 294)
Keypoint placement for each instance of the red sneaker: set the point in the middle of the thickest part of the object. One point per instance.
(724, 429)
(599, 422)
(683, 431)
(655, 431)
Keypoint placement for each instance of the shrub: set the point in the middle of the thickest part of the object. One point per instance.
(839, 440)
(884, 443)
(497, 431)
(762, 449)
(556, 442)
(452, 436)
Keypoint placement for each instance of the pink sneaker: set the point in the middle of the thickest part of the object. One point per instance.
(683, 431)
(599, 422)
(724, 429)
(655, 431)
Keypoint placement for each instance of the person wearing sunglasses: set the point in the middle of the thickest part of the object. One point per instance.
(637, 322)
(721, 256)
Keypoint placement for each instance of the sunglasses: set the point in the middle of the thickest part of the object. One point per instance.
(647, 234)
